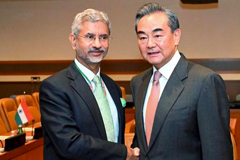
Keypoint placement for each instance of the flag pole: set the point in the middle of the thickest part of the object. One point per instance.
(24, 96)
(20, 130)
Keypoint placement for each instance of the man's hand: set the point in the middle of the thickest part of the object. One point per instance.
(133, 154)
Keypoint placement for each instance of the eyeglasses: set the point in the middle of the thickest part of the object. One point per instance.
(91, 38)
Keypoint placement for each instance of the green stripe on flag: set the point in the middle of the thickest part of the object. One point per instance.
(18, 119)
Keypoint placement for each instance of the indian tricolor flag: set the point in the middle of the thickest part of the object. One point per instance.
(23, 114)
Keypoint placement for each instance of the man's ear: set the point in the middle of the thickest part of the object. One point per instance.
(177, 36)
(73, 40)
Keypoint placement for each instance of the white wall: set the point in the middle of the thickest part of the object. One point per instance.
(38, 30)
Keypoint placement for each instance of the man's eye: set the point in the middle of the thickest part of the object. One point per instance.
(143, 38)
(104, 37)
(90, 36)
(157, 36)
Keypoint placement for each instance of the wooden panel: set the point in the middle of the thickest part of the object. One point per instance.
(107, 66)
(121, 67)
(15, 88)
(129, 114)
(235, 113)
(35, 154)
(31, 150)
(232, 89)
(32, 67)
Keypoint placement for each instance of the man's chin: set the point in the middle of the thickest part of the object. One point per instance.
(95, 60)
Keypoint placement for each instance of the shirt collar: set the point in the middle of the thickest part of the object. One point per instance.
(168, 68)
(87, 72)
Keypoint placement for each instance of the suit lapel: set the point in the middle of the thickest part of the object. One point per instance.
(139, 111)
(80, 85)
(171, 92)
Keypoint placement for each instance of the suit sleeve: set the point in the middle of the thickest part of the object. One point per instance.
(62, 131)
(213, 119)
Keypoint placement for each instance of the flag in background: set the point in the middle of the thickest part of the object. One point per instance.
(23, 114)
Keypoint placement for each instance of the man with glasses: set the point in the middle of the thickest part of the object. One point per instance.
(81, 109)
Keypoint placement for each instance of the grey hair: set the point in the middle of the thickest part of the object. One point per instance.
(91, 15)
(150, 8)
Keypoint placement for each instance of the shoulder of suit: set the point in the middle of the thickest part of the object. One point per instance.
(196, 66)
(200, 71)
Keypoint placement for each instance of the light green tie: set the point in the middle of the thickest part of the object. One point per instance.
(104, 108)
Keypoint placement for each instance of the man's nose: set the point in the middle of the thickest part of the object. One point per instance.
(151, 43)
(97, 43)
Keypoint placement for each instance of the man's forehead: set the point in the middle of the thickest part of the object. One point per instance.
(97, 27)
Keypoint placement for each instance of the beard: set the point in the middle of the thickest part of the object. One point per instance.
(87, 56)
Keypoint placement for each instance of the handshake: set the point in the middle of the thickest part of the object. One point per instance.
(133, 153)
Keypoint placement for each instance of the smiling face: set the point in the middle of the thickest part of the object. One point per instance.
(89, 46)
(156, 42)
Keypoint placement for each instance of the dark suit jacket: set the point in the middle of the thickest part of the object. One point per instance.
(71, 120)
(192, 117)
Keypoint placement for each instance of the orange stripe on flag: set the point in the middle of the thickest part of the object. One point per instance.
(26, 110)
